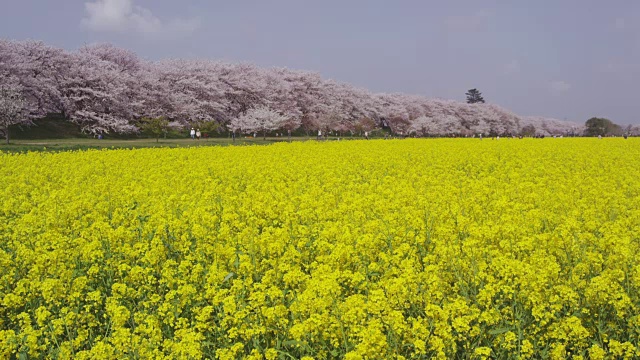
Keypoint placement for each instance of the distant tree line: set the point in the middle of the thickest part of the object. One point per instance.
(105, 89)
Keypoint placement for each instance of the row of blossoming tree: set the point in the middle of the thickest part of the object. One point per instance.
(105, 89)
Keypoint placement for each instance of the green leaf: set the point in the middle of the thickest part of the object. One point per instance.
(499, 331)
(292, 343)
(228, 277)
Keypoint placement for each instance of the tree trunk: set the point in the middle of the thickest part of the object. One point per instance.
(157, 138)
(264, 134)
(6, 132)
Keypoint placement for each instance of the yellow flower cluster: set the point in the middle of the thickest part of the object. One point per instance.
(395, 249)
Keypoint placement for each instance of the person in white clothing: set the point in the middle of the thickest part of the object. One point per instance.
(193, 134)
(198, 134)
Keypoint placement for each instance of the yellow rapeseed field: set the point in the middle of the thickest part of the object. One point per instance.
(450, 248)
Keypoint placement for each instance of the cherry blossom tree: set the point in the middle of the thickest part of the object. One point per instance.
(96, 95)
(38, 69)
(425, 125)
(550, 126)
(307, 98)
(12, 107)
(125, 61)
(192, 91)
(259, 119)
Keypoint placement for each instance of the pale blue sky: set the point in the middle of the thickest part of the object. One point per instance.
(564, 59)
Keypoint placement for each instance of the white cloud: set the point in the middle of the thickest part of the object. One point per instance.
(558, 87)
(474, 22)
(512, 68)
(124, 16)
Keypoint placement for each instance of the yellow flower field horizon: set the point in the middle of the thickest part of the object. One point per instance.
(416, 248)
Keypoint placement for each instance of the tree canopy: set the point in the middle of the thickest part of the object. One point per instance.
(601, 127)
(155, 126)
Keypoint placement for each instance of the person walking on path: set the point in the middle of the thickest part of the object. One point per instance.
(193, 134)
(198, 134)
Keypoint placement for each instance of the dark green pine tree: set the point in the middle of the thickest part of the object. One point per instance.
(474, 96)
